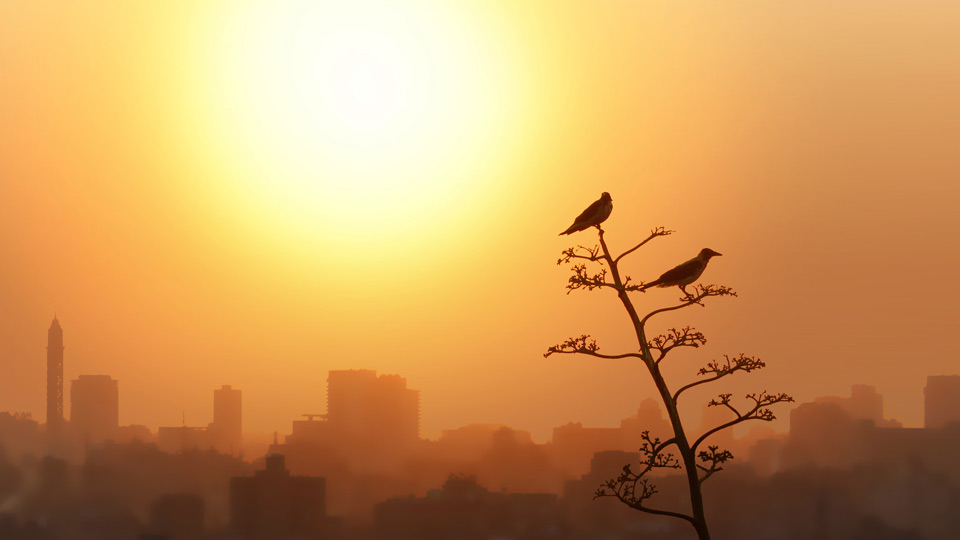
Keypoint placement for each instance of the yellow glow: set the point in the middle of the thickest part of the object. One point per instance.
(357, 115)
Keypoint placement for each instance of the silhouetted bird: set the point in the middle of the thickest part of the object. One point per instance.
(685, 273)
(594, 215)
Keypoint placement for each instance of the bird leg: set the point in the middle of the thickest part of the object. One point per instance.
(685, 293)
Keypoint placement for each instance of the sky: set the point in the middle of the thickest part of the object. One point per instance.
(253, 194)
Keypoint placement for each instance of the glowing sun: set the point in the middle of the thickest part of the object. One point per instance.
(359, 113)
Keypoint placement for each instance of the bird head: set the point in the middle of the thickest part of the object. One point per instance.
(706, 253)
(605, 197)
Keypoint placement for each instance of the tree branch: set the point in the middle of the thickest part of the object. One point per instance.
(632, 488)
(630, 287)
(580, 252)
(700, 293)
(729, 366)
(581, 280)
(715, 458)
(655, 232)
(584, 344)
(631, 499)
(685, 337)
(635, 488)
(758, 411)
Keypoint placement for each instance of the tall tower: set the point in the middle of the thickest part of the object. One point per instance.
(54, 377)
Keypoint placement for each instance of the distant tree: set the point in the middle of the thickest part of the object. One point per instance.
(594, 268)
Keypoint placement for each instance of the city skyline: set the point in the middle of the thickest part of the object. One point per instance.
(179, 236)
(355, 386)
(294, 268)
(362, 469)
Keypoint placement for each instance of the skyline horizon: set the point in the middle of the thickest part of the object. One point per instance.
(339, 220)
(216, 193)
(540, 435)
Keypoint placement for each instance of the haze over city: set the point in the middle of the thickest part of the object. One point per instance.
(150, 201)
(259, 195)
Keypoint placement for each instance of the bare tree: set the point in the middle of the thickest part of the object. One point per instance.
(596, 268)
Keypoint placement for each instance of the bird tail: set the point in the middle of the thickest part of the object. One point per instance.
(653, 283)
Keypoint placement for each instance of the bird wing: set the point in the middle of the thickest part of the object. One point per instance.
(678, 273)
(590, 212)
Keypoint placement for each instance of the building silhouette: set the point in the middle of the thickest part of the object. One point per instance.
(274, 504)
(573, 446)
(223, 434)
(54, 377)
(364, 408)
(473, 440)
(602, 518)
(370, 420)
(94, 407)
(864, 403)
(135, 432)
(177, 515)
(183, 438)
(226, 429)
(19, 434)
(312, 430)
(464, 509)
(941, 400)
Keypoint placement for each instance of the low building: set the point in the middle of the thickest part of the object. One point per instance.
(177, 515)
(463, 509)
(183, 438)
(274, 504)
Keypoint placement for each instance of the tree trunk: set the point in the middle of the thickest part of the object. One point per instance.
(683, 446)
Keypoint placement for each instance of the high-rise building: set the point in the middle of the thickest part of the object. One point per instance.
(864, 403)
(366, 409)
(94, 407)
(226, 429)
(372, 423)
(54, 377)
(941, 400)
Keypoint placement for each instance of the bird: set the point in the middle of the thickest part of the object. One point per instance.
(594, 215)
(684, 274)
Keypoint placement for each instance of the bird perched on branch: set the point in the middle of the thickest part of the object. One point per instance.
(684, 274)
(594, 215)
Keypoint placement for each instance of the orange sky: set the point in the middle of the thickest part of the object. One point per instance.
(201, 196)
